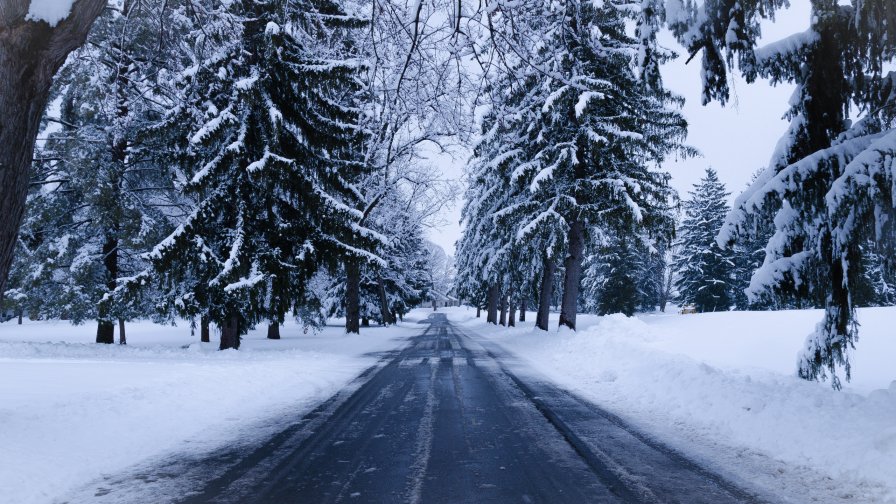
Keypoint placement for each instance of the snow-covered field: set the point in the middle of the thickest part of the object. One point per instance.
(72, 411)
(722, 388)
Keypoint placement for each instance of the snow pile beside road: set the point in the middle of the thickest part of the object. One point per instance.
(72, 411)
(727, 379)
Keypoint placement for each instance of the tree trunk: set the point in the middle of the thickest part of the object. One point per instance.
(105, 332)
(30, 54)
(384, 302)
(492, 315)
(511, 317)
(122, 339)
(352, 296)
(544, 296)
(273, 330)
(230, 333)
(667, 287)
(20, 316)
(365, 322)
(478, 311)
(503, 320)
(523, 308)
(204, 335)
(573, 265)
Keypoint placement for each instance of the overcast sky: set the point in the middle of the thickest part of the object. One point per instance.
(736, 139)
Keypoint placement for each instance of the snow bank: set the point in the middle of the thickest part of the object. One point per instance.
(72, 411)
(724, 383)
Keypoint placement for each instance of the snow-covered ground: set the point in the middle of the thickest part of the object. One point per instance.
(72, 411)
(722, 388)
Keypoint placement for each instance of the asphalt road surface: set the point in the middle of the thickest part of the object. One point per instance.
(445, 420)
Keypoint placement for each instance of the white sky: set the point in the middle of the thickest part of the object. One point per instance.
(736, 139)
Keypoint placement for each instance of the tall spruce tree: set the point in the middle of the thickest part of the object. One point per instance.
(271, 158)
(828, 185)
(705, 270)
(569, 144)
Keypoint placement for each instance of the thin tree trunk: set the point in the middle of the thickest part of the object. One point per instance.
(204, 333)
(492, 315)
(478, 311)
(503, 320)
(105, 331)
(545, 294)
(523, 308)
(230, 333)
(386, 315)
(573, 265)
(667, 288)
(273, 330)
(352, 296)
(365, 322)
(511, 317)
(30, 54)
(122, 339)
(20, 316)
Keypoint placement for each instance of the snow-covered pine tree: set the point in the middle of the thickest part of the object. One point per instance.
(601, 129)
(401, 281)
(828, 183)
(96, 203)
(569, 142)
(653, 267)
(271, 163)
(491, 209)
(877, 286)
(748, 255)
(496, 206)
(705, 270)
(624, 274)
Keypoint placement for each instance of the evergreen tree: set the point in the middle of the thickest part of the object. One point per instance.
(828, 187)
(705, 271)
(569, 143)
(612, 276)
(271, 161)
(878, 282)
(390, 289)
(97, 203)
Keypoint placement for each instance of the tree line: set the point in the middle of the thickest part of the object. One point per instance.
(230, 162)
(234, 163)
(567, 191)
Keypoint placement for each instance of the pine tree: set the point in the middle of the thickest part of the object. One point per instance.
(877, 286)
(97, 204)
(610, 281)
(705, 270)
(271, 164)
(828, 185)
(390, 289)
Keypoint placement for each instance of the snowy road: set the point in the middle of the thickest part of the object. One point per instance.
(446, 419)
